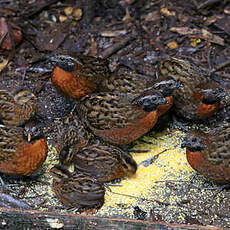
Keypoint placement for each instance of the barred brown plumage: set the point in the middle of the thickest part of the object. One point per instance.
(17, 107)
(77, 189)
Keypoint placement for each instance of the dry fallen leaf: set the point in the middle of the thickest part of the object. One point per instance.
(195, 41)
(77, 13)
(185, 30)
(197, 33)
(62, 18)
(166, 12)
(212, 38)
(93, 47)
(7, 42)
(152, 16)
(3, 64)
(68, 10)
(172, 45)
(114, 33)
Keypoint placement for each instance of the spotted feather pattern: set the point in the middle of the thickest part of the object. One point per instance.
(127, 83)
(71, 131)
(106, 110)
(16, 110)
(191, 77)
(77, 190)
(94, 68)
(10, 140)
(219, 146)
(104, 162)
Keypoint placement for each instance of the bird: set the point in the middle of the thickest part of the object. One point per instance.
(120, 118)
(136, 84)
(77, 190)
(199, 97)
(126, 82)
(71, 132)
(102, 161)
(22, 149)
(78, 76)
(17, 107)
(209, 153)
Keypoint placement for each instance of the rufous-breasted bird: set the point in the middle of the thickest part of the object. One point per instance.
(78, 76)
(135, 85)
(209, 153)
(198, 97)
(22, 150)
(120, 118)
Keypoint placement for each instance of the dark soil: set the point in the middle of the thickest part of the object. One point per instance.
(135, 33)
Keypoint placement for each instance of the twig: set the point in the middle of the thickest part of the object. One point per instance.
(221, 65)
(207, 3)
(149, 161)
(135, 197)
(114, 48)
(210, 65)
(3, 38)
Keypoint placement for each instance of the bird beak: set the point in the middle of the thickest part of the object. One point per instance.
(163, 101)
(53, 59)
(29, 137)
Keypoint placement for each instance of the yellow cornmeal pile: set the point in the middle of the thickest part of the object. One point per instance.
(171, 164)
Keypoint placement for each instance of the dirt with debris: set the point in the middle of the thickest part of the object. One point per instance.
(137, 34)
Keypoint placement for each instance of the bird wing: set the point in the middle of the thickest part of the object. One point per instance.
(10, 137)
(109, 110)
(7, 106)
(82, 191)
(98, 160)
(219, 146)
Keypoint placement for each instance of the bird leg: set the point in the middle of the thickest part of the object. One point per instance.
(6, 187)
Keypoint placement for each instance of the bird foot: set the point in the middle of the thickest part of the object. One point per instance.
(6, 187)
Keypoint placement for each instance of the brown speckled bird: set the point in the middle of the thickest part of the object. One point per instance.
(199, 97)
(77, 189)
(135, 85)
(103, 162)
(22, 150)
(17, 107)
(71, 132)
(209, 154)
(120, 118)
(78, 76)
